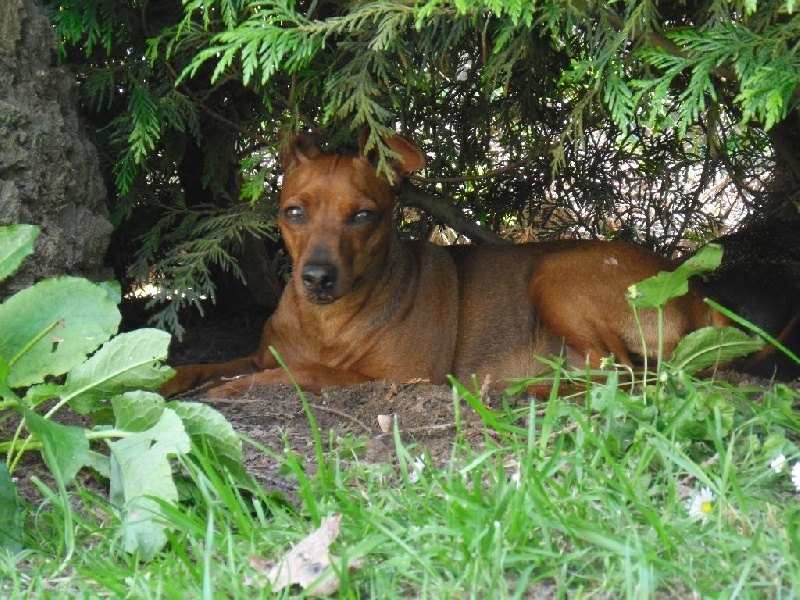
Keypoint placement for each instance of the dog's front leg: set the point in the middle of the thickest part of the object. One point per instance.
(310, 378)
(189, 377)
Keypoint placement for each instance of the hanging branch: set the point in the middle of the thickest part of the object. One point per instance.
(445, 212)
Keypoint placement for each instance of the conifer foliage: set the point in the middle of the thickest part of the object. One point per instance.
(641, 120)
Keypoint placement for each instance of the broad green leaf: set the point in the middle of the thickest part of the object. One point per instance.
(65, 448)
(137, 410)
(707, 259)
(208, 426)
(100, 463)
(10, 516)
(113, 289)
(129, 360)
(141, 470)
(658, 290)
(50, 327)
(5, 391)
(661, 288)
(711, 345)
(16, 242)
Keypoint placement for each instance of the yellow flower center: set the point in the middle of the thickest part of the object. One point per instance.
(706, 507)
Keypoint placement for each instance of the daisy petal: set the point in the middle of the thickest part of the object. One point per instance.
(778, 464)
(702, 504)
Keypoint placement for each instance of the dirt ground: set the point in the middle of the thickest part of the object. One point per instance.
(274, 416)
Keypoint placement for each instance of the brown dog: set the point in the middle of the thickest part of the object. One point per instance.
(363, 305)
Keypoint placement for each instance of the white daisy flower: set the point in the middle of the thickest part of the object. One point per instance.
(796, 476)
(702, 504)
(778, 464)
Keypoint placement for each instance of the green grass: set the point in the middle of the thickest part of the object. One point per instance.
(569, 498)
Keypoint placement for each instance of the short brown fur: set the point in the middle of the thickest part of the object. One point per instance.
(363, 305)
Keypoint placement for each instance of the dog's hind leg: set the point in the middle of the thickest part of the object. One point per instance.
(580, 320)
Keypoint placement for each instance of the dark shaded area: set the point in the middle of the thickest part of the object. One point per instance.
(759, 279)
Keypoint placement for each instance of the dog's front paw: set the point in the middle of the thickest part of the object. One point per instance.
(231, 387)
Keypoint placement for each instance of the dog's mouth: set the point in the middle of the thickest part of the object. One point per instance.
(320, 297)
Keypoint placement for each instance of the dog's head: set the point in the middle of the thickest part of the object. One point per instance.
(336, 214)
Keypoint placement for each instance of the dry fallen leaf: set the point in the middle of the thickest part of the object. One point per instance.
(305, 563)
(385, 423)
(485, 388)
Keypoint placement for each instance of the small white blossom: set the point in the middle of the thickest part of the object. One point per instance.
(516, 472)
(417, 468)
(778, 464)
(796, 476)
(702, 504)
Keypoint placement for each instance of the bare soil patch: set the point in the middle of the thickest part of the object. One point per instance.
(274, 415)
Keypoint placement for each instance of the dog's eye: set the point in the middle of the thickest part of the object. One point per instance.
(295, 214)
(363, 217)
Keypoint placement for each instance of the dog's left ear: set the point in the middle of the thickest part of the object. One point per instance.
(300, 148)
(411, 158)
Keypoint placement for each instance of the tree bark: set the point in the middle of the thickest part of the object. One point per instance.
(49, 171)
(446, 213)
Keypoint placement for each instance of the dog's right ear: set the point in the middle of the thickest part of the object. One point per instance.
(411, 159)
(300, 148)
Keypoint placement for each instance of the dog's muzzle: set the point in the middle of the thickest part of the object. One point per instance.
(319, 280)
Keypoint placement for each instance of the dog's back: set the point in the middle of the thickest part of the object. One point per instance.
(517, 303)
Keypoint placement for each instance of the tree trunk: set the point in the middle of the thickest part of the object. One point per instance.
(49, 173)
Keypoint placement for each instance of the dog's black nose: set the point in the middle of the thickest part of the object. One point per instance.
(319, 277)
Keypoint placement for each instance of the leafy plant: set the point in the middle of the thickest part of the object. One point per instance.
(702, 348)
(683, 406)
(58, 354)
